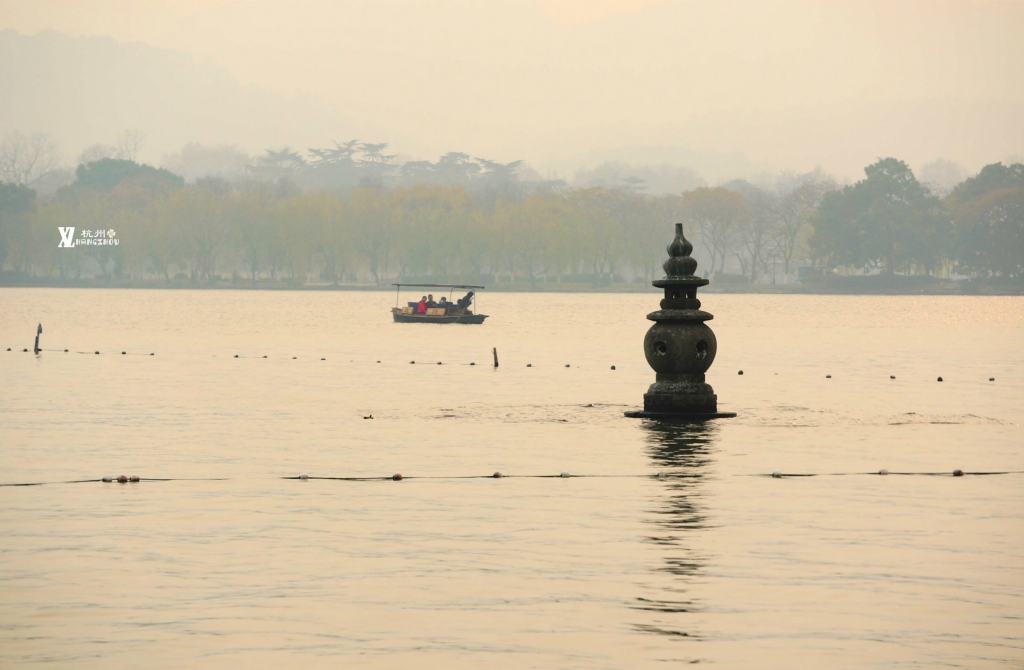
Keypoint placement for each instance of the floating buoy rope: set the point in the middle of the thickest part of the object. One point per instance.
(122, 479)
(776, 474)
(955, 473)
(494, 352)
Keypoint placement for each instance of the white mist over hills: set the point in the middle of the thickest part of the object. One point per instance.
(86, 90)
(726, 88)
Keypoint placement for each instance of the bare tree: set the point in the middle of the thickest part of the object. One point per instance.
(755, 231)
(717, 212)
(646, 217)
(95, 153)
(794, 212)
(26, 158)
(130, 143)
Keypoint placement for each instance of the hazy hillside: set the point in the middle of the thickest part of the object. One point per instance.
(724, 87)
(87, 90)
(794, 83)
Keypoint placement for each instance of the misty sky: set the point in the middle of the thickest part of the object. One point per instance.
(790, 84)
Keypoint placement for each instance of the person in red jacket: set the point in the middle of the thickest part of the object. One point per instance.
(422, 307)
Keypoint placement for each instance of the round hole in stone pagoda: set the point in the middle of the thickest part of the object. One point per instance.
(660, 348)
(702, 350)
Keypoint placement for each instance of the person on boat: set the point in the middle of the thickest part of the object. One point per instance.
(421, 308)
(444, 304)
(465, 301)
(430, 301)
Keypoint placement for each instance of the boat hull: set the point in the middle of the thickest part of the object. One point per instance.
(448, 318)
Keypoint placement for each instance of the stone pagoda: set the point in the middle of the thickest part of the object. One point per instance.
(680, 346)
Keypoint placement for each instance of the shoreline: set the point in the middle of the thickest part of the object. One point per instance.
(845, 286)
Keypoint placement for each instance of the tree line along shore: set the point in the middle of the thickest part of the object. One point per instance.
(136, 225)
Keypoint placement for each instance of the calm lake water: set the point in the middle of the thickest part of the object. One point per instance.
(230, 565)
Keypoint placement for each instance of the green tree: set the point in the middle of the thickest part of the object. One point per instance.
(17, 203)
(253, 216)
(50, 215)
(332, 234)
(604, 230)
(201, 216)
(988, 213)
(374, 215)
(105, 174)
(886, 220)
(436, 234)
(162, 237)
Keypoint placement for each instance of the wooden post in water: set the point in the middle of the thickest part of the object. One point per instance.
(495, 352)
(39, 331)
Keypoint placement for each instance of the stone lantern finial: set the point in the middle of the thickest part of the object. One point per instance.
(680, 346)
(680, 263)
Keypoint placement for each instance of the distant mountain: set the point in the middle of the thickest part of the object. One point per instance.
(726, 88)
(789, 83)
(86, 90)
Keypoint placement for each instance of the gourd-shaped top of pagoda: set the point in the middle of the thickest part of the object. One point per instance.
(680, 266)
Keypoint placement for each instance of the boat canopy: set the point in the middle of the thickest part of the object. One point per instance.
(439, 285)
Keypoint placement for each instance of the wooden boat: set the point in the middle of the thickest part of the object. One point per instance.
(459, 311)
